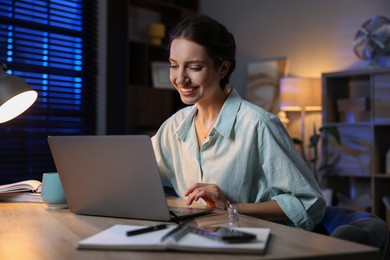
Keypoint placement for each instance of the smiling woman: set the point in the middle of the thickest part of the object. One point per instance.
(222, 149)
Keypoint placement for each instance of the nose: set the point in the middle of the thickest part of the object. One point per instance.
(181, 77)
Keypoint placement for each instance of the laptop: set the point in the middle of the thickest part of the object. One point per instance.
(114, 176)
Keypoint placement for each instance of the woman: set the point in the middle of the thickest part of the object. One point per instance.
(222, 148)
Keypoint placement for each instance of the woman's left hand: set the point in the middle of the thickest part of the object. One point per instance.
(210, 193)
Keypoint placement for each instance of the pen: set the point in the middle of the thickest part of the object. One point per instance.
(146, 230)
(177, 233)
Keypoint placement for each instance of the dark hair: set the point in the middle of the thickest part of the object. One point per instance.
(213, 36)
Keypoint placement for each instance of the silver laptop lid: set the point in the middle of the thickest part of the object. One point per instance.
(115, 176)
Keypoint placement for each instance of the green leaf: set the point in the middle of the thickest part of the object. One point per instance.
(325, 167)
(333, 131)
(297, 141)
(314, 139)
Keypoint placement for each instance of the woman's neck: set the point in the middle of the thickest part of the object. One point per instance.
(209, 110)
(207, 116)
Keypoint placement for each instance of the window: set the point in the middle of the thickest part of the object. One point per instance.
(50, 44)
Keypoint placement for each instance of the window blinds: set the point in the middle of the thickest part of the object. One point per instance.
(50, 44)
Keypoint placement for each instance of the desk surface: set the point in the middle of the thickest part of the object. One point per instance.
(31, 231)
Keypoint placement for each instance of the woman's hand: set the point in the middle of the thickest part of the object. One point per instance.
(215, 198)
(210, 193)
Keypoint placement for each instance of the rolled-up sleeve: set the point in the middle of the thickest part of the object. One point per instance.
(292, 184)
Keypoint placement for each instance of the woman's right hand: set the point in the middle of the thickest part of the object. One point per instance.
(210, 193)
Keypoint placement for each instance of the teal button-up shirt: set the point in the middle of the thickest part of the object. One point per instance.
(248, 154)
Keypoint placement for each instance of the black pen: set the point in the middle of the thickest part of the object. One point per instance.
(176, 233)
(146, 230)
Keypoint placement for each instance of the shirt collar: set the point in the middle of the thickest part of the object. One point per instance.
(227, 117)
(225, 121)
(186, 124)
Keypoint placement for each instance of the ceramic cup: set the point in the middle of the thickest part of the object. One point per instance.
(52, 192)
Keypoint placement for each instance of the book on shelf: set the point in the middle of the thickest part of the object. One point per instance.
(22, 191)
(115, 238)
(386, 201)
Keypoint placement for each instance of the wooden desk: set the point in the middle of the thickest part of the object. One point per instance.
(31, 231)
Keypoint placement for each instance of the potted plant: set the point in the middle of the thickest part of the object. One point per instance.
(319, 169)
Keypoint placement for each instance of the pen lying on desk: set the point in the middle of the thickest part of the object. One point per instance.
(146, 230)
(177, 233)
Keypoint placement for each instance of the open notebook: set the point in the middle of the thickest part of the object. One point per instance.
(114, 238)
(114, 176)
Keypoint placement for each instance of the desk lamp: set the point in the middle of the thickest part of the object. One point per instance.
(16, 96)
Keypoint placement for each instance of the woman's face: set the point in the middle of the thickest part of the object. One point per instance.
(193, 72)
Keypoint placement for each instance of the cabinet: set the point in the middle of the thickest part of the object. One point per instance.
(133, 104)
(358, 104)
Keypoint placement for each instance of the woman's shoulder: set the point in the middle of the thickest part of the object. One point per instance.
(256, 112)
(248, 110)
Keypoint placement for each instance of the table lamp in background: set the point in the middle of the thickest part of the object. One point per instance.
(301, 96)
(16, 96)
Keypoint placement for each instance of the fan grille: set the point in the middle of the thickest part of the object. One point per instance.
(373, 38)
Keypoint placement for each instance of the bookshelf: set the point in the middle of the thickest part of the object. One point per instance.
(358, 104)
(134, 105)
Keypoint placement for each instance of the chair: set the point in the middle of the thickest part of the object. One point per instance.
(357, 226)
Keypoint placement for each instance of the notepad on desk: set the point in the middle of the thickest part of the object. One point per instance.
(22, 191)
(27, 185)
(23, 196)
(115, 238)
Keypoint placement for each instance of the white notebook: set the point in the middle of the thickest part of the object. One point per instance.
(115, 238)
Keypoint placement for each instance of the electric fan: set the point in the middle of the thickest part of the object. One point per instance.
(373, 39)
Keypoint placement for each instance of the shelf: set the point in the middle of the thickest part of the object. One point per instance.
(363, 124)
(133, 105)
(169, 13)
(360, 160)
(154, 112)
(334, 175)
(358, 72)
(381, 176)
(147, 44)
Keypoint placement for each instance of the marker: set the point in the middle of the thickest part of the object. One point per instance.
(146, 230)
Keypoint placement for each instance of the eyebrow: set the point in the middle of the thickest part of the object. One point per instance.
(189, 62)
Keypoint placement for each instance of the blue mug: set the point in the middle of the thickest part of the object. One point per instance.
(52, 192)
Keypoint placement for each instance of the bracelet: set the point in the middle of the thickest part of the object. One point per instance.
(232, 214)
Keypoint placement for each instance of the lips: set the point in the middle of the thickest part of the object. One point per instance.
(187, 91)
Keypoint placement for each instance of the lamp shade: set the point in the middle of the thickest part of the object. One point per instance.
(16, 96)
(300, 94)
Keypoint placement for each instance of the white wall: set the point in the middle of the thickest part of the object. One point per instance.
(316, 36)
